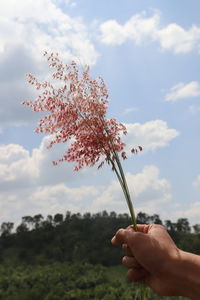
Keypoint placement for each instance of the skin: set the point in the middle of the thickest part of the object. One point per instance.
(152, 256)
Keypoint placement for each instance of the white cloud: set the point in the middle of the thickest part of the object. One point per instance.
(150, 193)
(41, 25)
(112, 33)
(179, 40)
(150, 135)
(129, 110)
(61, 195)
(19, 167)
(182, 91)
(141, 28)
(194, 108)
(137, 28)
(67, 3)
(189, 211)
(196, 182)
(47, 199)
(30, 184)
(16, 166)
(26, 32)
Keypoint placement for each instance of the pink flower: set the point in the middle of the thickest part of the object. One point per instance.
(77, 112)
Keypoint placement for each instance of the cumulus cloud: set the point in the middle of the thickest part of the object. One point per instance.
(26, 32)
(149, 191)
(196, 182)
(152, 193)
(67, 3)
(47, 199)
(183, 90)
(30, 184)
(42, 25)
(19, 167)
(129, 110)
(30, 189)
(140, 28)
(187, 210)
(137, 28)
(16, 167)
(179, 40)
(151, 135)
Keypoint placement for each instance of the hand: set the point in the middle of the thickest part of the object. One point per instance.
(152, 256)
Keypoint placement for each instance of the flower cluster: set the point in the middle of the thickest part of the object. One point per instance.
(77, 114)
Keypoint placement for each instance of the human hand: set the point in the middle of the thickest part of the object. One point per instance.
(151, 256)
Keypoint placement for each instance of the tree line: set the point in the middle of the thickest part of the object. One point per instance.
(81, 237)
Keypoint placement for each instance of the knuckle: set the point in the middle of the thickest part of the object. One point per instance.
(124, 260)
(119, 233)
(161, 227)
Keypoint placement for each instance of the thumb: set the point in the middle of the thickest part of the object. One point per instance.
(128, 236)
(122, 236)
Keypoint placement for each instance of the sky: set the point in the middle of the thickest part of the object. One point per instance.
(148, 54)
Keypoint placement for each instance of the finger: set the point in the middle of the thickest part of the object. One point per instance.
(144, 228)
(130, 262)
(135, 274)
(124, 236)
(133, 239)
(127, 250)
(119, 237)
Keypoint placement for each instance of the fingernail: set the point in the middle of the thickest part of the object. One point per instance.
(113, 239)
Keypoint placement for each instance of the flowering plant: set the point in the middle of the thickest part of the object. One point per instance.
(77, 112)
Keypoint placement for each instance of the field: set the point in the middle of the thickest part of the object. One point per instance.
(70, 281)
(71, 257)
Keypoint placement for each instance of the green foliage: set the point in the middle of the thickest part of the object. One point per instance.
(71, 257)
(76, 237)
(67, 281)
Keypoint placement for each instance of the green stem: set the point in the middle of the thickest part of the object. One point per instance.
(126, 191)
(121, 176)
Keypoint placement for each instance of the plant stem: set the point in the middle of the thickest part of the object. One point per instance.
(121, 176)
(126, 191)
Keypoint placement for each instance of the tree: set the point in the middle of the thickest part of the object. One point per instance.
(58, 219)
(6, 228)
(49, 219)
(28, 220)
(170, 226)
(142, 218)
(155, 219)
(48, 223)
(22, 228)
(113, 214)
(104, 214)
(37, 220)
(182, 225)
(87, 215)
(196, 228)
(67, 216)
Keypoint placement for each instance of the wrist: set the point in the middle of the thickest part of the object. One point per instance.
(185, 275)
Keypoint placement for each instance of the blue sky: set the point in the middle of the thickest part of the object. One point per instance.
(148, 54)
